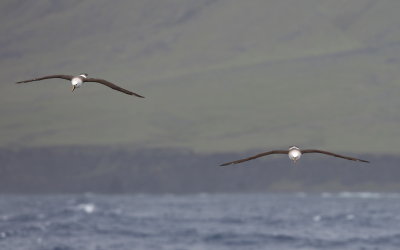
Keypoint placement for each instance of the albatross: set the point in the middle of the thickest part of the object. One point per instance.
(294, 154)
(77, 82)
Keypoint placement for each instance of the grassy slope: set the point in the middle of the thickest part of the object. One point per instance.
(218, 75)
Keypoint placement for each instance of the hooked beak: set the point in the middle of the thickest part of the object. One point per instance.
(73, 88)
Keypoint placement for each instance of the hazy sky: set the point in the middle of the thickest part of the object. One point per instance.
(218, 75)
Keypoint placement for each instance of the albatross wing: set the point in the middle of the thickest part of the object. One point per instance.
(256, 156)
(65, 77)
(332, 154)
(112, 85)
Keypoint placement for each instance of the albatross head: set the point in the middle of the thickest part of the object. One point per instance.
(294, 153)
(78, 80)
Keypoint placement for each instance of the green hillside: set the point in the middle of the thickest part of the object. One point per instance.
(217, 75)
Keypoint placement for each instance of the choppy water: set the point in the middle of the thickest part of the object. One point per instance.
(252, 221)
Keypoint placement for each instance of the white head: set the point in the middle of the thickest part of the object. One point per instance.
(78, 80)
(294, 153)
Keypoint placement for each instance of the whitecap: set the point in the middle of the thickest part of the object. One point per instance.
(317, 218)
(363, 195)
(86, 207)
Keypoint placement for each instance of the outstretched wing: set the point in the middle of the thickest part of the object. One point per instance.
(112, 85)
(256, 156)
(332, 154)
(66, 77)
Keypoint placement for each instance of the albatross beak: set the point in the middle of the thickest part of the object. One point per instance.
(73, 88)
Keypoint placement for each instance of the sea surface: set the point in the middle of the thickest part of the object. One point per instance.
(204, 221)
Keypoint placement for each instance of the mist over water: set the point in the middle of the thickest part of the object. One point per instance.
(234, 221)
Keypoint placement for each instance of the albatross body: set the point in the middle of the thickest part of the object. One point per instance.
(294, 154)
(77, 81)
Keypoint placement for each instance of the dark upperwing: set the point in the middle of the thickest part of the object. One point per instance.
(112, 85)
(332, 154)
(256, 156)
(65, 77)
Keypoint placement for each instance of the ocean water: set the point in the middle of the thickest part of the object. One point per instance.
(205, 221)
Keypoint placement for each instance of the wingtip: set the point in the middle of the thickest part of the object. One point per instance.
(228, 163)
(134, 94)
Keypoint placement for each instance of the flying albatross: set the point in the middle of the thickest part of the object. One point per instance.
(294, 154)
(77, 82)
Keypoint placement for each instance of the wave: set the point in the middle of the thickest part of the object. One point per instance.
(361, 195)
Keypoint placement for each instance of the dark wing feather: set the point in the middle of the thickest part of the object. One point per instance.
(66, 77)
(332, 154)
(256, 156)
(112, 85)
